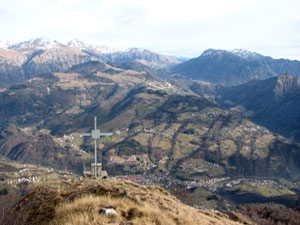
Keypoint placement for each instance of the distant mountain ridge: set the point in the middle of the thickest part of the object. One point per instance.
(216, 66)
(103, 49)
(233, 67)
(30, 58)
(144, 56)
(108, 54)
(36, 44)
(27, 59)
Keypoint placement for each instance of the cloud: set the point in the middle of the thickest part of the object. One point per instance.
(180, 27)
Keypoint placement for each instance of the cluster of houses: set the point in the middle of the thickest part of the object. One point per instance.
(69, 139)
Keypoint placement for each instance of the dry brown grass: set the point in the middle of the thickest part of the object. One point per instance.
(86, 211)
(79, 202)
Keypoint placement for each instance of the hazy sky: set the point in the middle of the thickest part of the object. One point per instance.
(185, 27)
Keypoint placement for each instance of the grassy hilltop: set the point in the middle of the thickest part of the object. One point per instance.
(79, 202)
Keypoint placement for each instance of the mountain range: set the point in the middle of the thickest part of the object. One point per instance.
(213, 129)
(27, 59)
(107, 54)
(233, 67)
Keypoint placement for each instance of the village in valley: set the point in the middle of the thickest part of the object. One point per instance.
(139, 169)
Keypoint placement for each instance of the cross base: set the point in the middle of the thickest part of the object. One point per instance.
(101, 173)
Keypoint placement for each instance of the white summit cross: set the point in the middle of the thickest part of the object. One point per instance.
(96, 134)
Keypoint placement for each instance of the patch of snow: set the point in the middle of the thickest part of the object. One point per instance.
(109, 50)
(243, 53)
(140, 50)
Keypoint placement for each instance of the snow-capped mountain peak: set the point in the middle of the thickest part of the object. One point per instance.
(103, 49)
(237, 52)
(4, 44)
(37, 43)
(78, 44)
(108, 50)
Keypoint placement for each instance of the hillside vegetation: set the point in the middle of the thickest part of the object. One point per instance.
(273, 103)
(161, 135)
(156, 130)
(79, 202)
